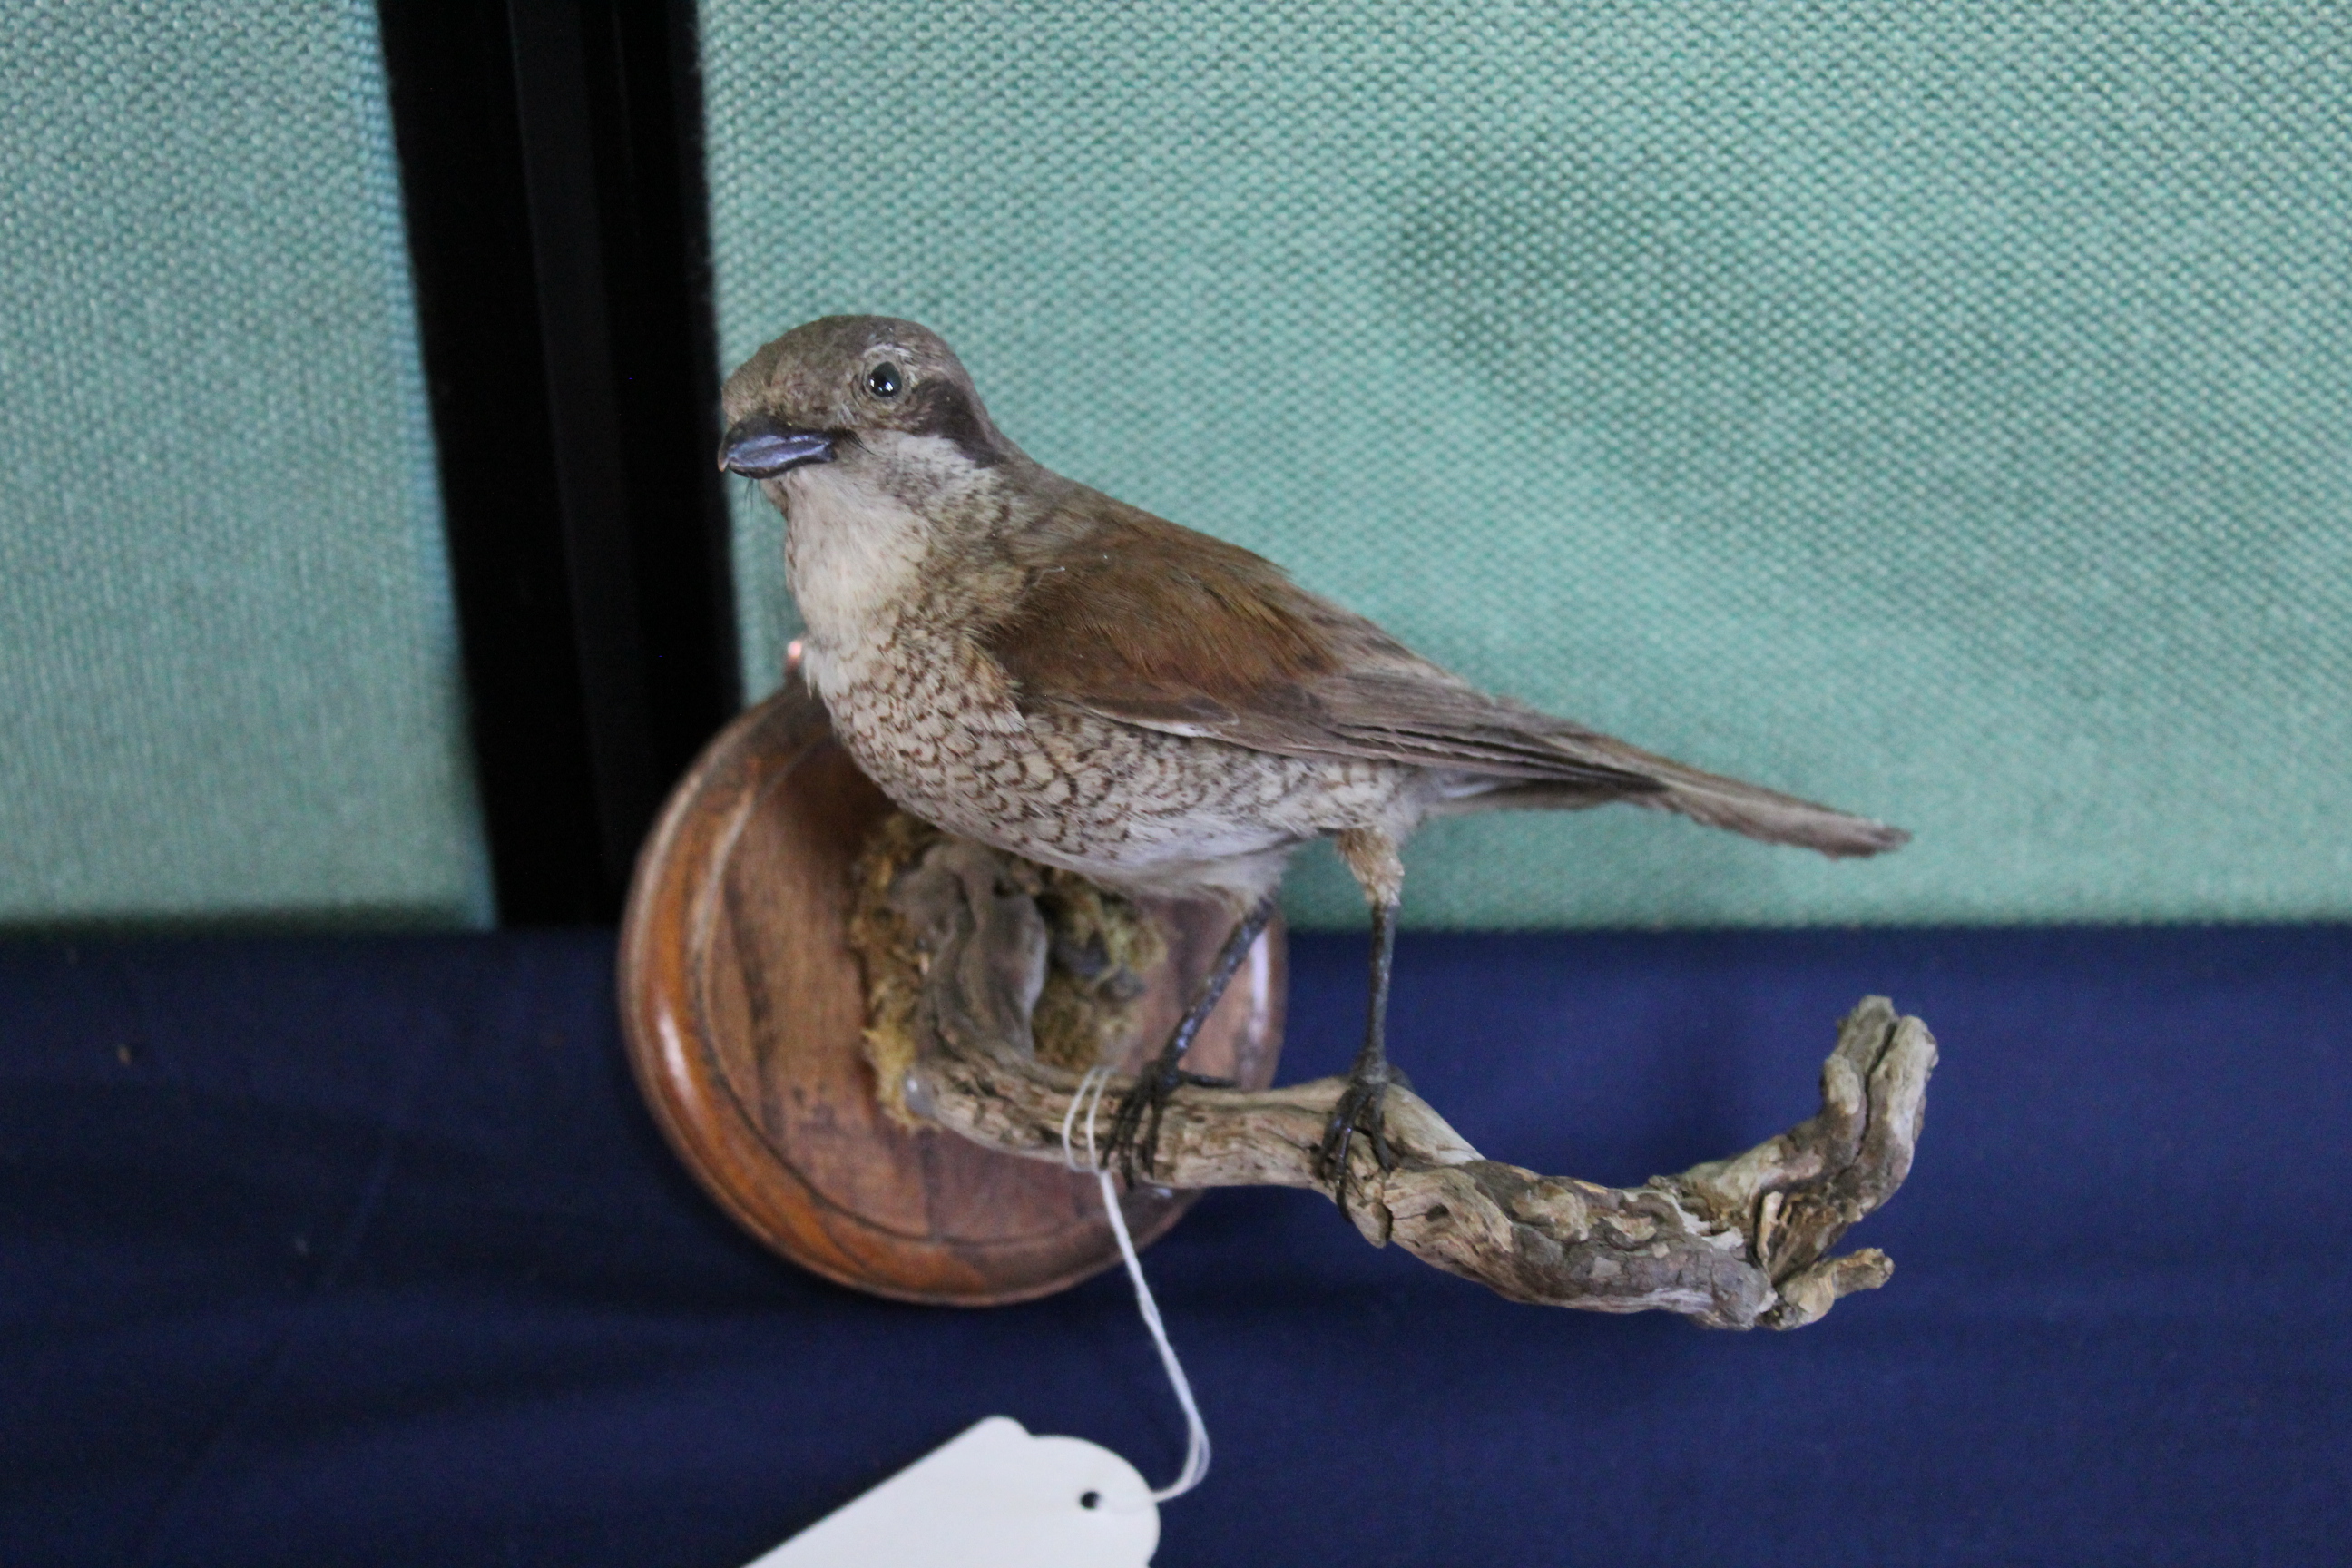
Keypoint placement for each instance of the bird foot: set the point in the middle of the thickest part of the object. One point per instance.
(1133, 1145)
(1362, 1109)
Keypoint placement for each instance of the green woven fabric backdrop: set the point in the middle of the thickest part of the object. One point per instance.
(230, 673)
(1941, 409)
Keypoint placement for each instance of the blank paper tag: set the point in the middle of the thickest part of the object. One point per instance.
(994, 1497)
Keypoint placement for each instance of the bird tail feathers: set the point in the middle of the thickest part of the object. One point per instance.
(1744, 808)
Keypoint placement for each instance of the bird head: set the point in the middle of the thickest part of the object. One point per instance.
(856, 389)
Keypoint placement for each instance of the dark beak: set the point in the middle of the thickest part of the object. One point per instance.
(760, 448)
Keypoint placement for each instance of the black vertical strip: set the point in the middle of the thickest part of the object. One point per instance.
(561, 147)
(451, 68)
(645, 64)
(550, 170)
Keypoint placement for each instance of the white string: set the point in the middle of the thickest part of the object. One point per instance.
(1090, 1086)
(1196, 1431)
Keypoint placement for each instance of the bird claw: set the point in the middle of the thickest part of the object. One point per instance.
(1360, 1108)
(1134, 1141)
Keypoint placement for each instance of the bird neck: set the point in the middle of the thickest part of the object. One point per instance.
(853, 553)
(868, 539)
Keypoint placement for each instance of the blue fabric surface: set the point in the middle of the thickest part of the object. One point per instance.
(364, 1251)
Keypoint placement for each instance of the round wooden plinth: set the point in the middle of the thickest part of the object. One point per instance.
(743, 1004)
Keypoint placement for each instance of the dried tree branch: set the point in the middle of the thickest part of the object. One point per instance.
(1731, 1243)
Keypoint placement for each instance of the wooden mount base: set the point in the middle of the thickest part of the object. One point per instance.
(743, 1006)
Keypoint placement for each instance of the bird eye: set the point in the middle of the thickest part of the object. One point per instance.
(884, 380)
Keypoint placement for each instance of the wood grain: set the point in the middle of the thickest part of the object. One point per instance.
(1732, 1244)
(742, 1005)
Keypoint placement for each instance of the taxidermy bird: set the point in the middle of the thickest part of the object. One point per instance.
(1021, 661)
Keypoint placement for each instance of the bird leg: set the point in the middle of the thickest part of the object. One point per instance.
(1135, 1129)
(1360, 1104)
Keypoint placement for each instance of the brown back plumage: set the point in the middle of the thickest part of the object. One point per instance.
(1131, 618)
(1135, 614)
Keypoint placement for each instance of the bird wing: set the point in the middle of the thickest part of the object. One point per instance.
(1133, 618)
